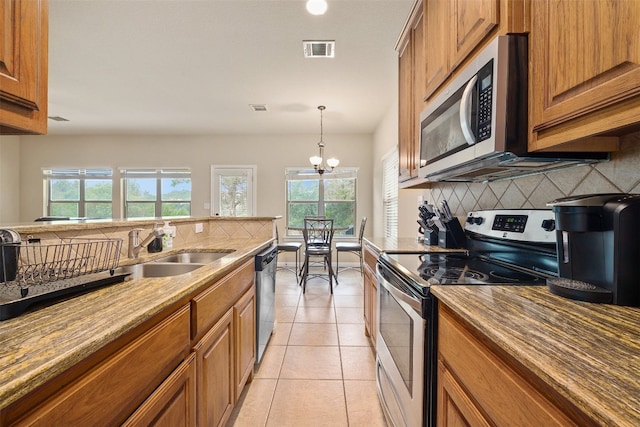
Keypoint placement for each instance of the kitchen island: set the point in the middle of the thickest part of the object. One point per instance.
(52, 348)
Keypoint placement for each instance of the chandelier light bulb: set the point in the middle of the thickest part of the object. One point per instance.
(315, 160)
(317, 7)
(333, 162)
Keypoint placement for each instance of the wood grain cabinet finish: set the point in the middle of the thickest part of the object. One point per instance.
(110, 392)
(411, 70)
(244, 316)
(215, 363)
(23, 66)
(173, 404)
(208, 306)
(477, 387)
(457, 29)
(585, 70)
(370, 293)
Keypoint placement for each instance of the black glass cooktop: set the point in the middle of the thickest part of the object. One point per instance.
(459, 269)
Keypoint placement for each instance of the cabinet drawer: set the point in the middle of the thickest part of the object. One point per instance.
(504, 395)
(210, 305)
(112, 390)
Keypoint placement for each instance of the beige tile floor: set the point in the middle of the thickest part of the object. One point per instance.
(319, 367)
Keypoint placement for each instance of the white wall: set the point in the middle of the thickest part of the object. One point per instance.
(271, 153)
(9, 177)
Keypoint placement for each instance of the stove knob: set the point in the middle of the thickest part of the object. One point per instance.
(478, 220)
(548, 224)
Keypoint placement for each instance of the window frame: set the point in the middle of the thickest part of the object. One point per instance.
(302, 174)
(158, 174)
(82, 175)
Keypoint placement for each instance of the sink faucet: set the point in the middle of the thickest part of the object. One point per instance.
(135, 246)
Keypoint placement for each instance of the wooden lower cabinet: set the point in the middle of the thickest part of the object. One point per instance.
(215, 373)
(478, 387)
(370, 293)
(108, 393)
(173, 404)
(244, 316)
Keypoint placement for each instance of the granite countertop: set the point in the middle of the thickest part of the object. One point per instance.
(37, 346)
(403, 244)
(589, 353)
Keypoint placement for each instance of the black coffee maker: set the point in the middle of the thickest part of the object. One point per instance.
(598, 244)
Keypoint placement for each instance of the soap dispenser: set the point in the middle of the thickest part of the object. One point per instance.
(169, 234)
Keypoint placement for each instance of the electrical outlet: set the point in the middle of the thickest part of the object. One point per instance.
(199, 227)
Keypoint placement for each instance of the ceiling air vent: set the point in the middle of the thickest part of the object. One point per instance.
(319, 48)
(258, 107)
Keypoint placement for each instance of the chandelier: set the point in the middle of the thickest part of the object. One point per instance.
(318, 161)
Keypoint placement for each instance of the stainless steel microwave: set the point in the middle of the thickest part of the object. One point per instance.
(475, 129)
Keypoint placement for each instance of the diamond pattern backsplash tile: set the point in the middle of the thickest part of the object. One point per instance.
(619, 175)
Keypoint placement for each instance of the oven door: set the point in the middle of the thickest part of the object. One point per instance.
(400, 347)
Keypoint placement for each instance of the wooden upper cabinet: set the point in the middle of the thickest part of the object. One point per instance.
(23, 66)
(411, 87)
(585, 69)
(456, 29)
(405, 111)
(436, 16)
(472, 21)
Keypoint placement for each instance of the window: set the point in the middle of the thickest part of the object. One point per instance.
(79, 193)
(332, 195)
(232, 188)
(390, 194)
(151, 193)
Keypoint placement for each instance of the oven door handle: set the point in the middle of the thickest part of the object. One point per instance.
(399, 296)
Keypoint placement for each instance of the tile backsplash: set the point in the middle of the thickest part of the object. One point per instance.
(620, 174)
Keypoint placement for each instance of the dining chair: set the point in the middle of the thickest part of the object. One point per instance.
(318, 237)
(353, 247)
(289, 247)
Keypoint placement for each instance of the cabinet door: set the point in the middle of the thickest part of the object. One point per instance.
(455, 408)
(245, 334)
(215, 373)
(585, 57)
(472, 21)
(23, 66)
(368, 288)
(418, 91)
(436, 43)
(173, 404)
(405, 111)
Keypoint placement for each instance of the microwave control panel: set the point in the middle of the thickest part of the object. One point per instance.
(485, 101)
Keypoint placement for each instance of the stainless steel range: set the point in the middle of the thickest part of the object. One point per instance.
(505, 247)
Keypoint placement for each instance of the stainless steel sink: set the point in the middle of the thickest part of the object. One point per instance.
(156, 269)
(193, 257)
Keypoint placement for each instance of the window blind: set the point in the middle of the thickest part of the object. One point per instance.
(390, 193)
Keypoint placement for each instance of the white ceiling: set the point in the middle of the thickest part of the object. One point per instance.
(194, 66)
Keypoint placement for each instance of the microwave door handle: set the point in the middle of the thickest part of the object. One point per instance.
(465, 113)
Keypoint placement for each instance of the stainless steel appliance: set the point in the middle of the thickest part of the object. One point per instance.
(476, 128)
(505, 247)
(598, 237)
(265, 266)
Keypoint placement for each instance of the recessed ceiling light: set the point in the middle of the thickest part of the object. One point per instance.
(258, 107)
(317, 7)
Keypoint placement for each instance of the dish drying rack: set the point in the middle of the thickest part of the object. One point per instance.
(49, 269)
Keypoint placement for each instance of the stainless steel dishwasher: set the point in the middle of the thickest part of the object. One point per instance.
(265, 298)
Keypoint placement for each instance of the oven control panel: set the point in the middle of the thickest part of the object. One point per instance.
(530, 225)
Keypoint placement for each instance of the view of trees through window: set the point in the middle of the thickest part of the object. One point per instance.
(233, 195)
(80, 193)
(333, 197)
(156, 196)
